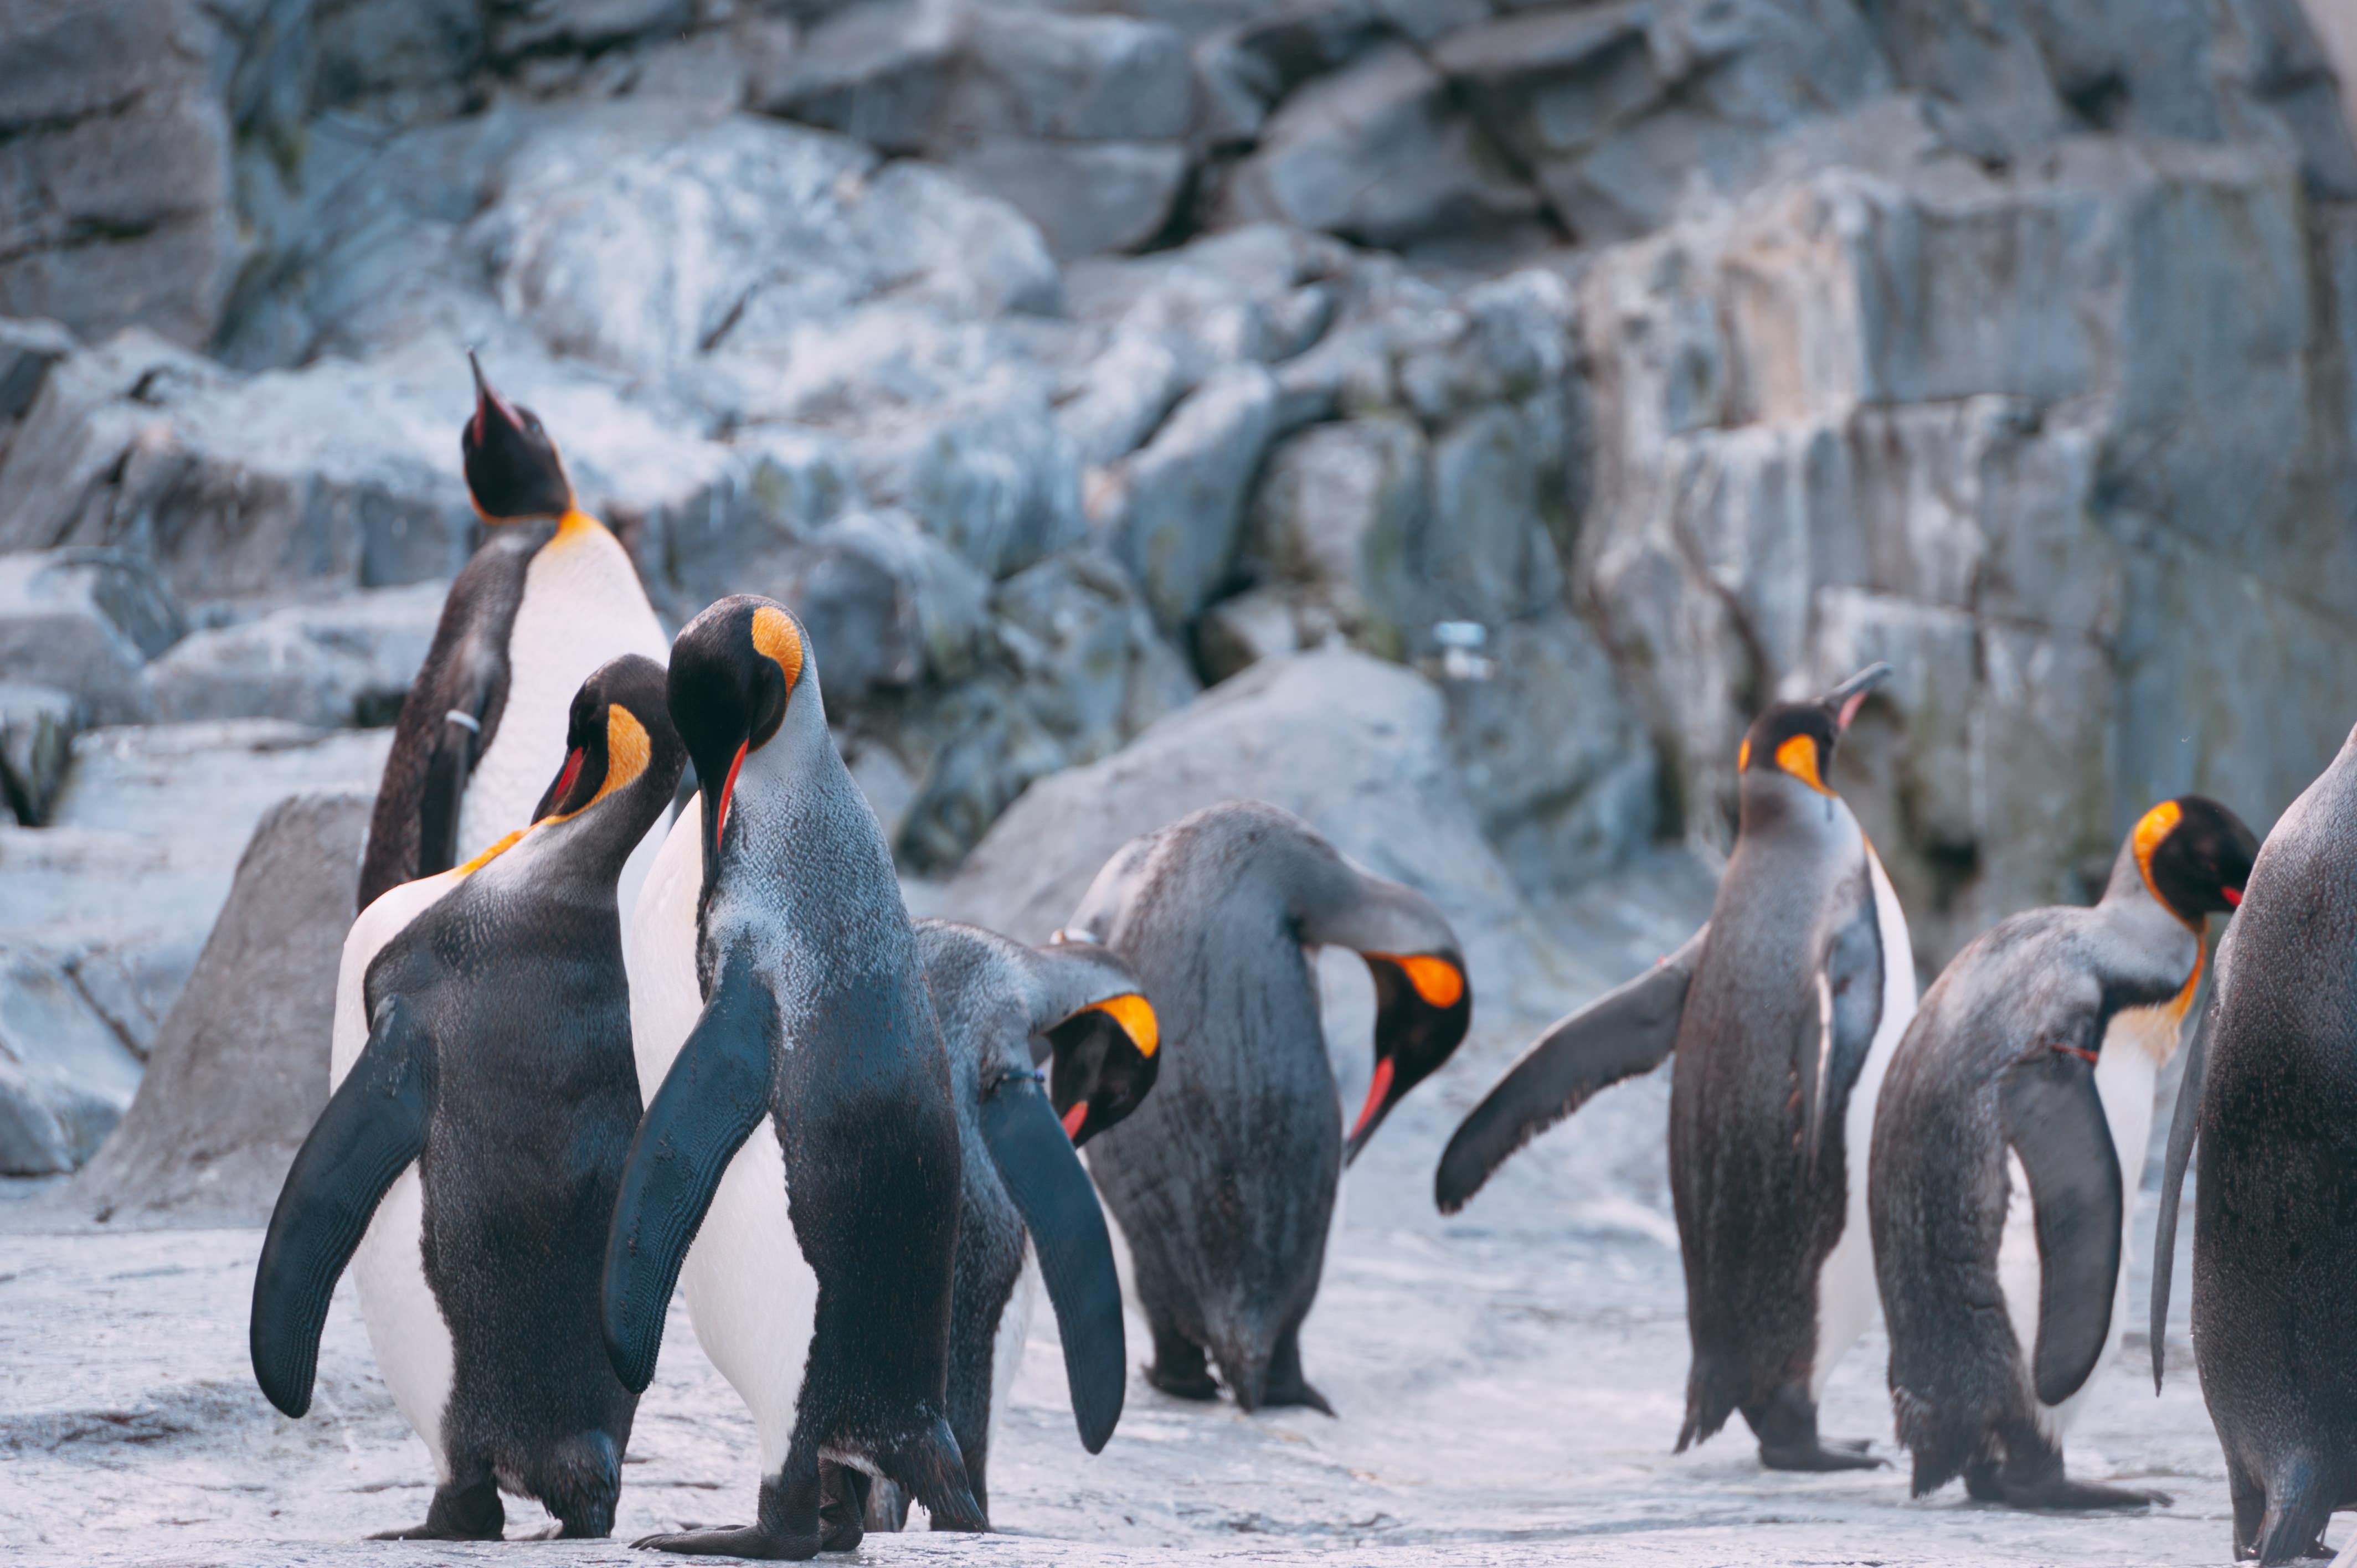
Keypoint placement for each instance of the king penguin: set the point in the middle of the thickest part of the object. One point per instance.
(468, 1160)
(549, 597)
(1006, 1010)
(2270, 1093)
(2007, 1149)
(1783, 1013)
(799, 1162)
(1224, 1180)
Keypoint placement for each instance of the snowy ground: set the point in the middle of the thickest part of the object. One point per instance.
(1509, 1384)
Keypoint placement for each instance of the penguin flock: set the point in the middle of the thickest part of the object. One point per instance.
(593, 1045)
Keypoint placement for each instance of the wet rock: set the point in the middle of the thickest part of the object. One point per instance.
(1173, 514)
(344, 661)
(240, 1069)
(85, 622)
(28, 350)
(1378, 154)
(37, 730)
(65, 1077)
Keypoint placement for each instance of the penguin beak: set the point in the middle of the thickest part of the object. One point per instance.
(1845, 699)
(1106, 1058)
(1423, 1007)
(488, 403)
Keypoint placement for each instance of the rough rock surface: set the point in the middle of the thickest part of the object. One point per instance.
(240, 1070)
(65, 1076)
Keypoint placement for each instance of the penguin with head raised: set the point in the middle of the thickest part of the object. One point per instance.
(549, 597)
(801, 1158)
(1224, 1179)
(2007, 1150)
(469, 1158)
(1783, 1013)
(2270, 1092)
(1006, 1011)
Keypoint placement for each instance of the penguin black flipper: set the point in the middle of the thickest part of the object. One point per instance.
(1628, 1030)
(375, 1125)
(2054, 1121)
(2183, 1126)
(1058, 1204)
(717, 1093)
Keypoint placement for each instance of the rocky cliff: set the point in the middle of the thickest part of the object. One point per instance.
(1619, 365)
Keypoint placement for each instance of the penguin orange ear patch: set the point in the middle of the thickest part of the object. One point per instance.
(1435, 980)
(1798, 756)
(775, 638)
(2151, 830)
(1135, 1016)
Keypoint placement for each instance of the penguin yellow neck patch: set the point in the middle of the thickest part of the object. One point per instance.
(1798, 756)
(492, 853)
(774, 638)
(1435, 980)
(2151, 832)
(1135, 1016)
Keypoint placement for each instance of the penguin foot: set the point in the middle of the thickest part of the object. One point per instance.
(2056, 1492)
(746, 1541)
(1196, 1385)
(456, 1513)
(1300, 1394)
(1819, 1457)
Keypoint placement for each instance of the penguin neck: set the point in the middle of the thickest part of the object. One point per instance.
(2129, 900)
(1775, 806)
(803, 862)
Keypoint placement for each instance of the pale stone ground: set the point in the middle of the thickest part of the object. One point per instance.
(1510, 1382)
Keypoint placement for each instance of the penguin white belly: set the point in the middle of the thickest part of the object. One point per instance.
(582, 606)
(1847, 1298)
(406, 1330)
(751, 1294)
(2136, 1044)
(1014, 1334)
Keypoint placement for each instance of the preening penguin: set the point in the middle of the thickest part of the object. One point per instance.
(1783, 1013)
(1005, 1009)
(2006, 1154)
(1224, 1179)
(484, 1101)
(549, 597)
(2271, 1091)
(780, 993)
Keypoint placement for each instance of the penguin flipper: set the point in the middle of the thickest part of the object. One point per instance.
(2183, 1126)
(1058, 1204)
(2054, 1121)
(1628, 1030)
(373, 1126)
(716, 1093)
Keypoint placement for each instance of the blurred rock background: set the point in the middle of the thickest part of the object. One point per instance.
(1614, 366)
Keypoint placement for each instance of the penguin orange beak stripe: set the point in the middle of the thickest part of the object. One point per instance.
(1377, 1088)
(572, 771)
(1435, 980)
(2234, 897)
(1074, 1118)
(727, 790)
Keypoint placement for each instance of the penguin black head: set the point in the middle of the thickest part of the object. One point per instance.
(1106, 1056)
(1797, 739)
(2195, 855)
(1422, 1007)
(620, 732)
(733, 670)
(513, 472)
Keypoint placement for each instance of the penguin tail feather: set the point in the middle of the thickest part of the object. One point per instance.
(926, 1463)
(1244, 1359)
(1708, 1408)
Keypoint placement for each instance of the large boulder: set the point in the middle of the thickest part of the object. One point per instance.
(1353, 745)
(240, 1071)
(345, 660)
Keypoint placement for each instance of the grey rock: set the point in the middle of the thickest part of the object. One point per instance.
(28, 350)
(37, 730)
(1337, 523)
(1070, 78)
(340, 661)
(115, 168)
(877, 72)
(240, 1069)
(1173, 520)
(537, 26)
(886, 605)
(743, 531)
(85, 621)
(65, 1077)
(1121, 396)
(1086, 197)
(1239, 632)
(1378, 154)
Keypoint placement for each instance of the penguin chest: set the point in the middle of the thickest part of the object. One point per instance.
(751, 1294)
(582, 606)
